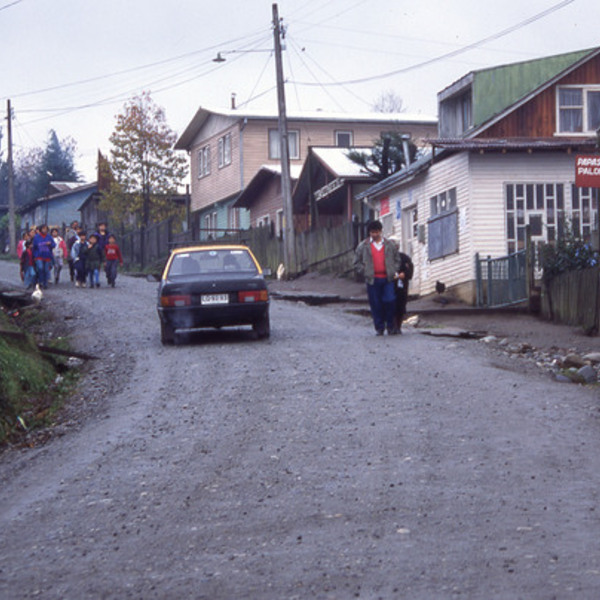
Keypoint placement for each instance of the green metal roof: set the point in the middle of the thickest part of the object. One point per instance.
(497, 88)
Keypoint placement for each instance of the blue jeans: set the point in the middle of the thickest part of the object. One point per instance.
(94, 277)
(44, 270)
(382, 300)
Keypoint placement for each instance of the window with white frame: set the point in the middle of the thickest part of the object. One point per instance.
(263, 221)
(224, 157)
(279, 223)
(578, 109)
(442, 226)
(233, 218)
(539, 205)
(275, 145)
(343, 139)
(210, 224)
(204, 161)
(584, 211)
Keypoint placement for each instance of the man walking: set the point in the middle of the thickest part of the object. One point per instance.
(377, 259)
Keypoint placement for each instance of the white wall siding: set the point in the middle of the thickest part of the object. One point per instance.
(490, 173)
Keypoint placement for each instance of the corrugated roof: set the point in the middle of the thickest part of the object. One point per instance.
(514, 144)
(496, 88)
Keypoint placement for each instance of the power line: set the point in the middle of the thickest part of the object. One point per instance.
(133, 69)
(452, 54)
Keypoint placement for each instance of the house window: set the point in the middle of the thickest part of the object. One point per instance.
(578, 109)
(444, 202)
(584, 212)
(442, 227)
(204, 161)
(279, 223)
(343, 139)
(275, 146)
(539, 205)
(233, 218)
(263, 221)
(210, 225)
(224, 158)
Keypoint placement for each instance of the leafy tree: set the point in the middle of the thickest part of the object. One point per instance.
(144, 168)
(387, 155)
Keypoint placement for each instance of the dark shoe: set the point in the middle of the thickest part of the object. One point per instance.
(379, 332)
(97, 285)
(393, 331)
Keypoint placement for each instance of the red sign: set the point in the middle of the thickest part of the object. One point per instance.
(587, 170)
(384, 206)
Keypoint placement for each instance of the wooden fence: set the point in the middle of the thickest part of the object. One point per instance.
(325, 250)
(573, 298)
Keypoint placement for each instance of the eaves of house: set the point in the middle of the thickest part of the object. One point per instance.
(260, 179)
(401, 177)
(81, 188)
(186, 139)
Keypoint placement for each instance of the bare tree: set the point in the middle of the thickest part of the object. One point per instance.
(388, 102)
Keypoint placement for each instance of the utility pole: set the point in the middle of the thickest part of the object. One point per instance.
(289, 241)
(12, 247)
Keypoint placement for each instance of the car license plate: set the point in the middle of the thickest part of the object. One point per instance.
(214, 299)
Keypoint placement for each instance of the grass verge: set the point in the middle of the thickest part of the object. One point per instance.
(33, 385)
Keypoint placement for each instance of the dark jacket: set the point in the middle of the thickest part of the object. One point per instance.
(363, 260)
(94, 257)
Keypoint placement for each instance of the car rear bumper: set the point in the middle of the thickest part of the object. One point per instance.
(195, 317)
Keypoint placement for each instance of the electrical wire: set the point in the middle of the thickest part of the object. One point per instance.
(448, 55)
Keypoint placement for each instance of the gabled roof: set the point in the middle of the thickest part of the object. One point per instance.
(403, 176)
(261, 177)
(82, 190)
(498, 91)
(202, 114)
(335, 162)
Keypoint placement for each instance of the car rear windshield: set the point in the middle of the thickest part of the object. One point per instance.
(212, 262)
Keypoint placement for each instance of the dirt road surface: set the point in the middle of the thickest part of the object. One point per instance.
(321, 463)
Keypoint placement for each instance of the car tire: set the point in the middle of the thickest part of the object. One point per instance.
(167, 334)
(262, 328)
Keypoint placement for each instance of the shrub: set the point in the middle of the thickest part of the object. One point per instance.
(569, 253)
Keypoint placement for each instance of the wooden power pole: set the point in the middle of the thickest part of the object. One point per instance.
(289, 241)
(12, 245)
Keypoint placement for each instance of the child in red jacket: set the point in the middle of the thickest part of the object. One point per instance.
(113, 257)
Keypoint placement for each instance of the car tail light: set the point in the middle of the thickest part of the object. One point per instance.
(253, 296)
(170, 301)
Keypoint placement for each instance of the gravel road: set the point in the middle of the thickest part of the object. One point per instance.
(321, 463)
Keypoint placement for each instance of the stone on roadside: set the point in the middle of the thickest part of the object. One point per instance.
(588, 373)
(488, 339)
(593, 357)
(573, 360)
(563, 378)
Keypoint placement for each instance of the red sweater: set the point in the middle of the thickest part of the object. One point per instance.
(113, 252)
(378, 261)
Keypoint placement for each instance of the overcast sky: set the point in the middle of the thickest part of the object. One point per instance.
(70, 65)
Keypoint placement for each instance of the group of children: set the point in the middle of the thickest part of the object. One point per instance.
(42, 254)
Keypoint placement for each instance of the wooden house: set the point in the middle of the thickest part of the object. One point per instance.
(228, 148)
(504, 160)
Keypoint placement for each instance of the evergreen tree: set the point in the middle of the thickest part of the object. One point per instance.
(387, 156)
